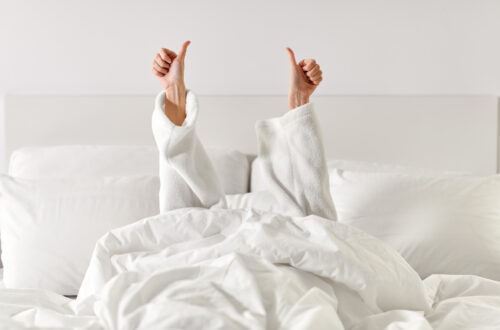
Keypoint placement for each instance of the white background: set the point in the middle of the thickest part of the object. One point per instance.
(364, 46)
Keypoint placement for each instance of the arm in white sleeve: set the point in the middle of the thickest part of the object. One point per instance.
(187, 175)
(291, 163)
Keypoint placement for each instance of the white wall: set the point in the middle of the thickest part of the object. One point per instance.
(364, 46)
(3, 161)
(454, 133)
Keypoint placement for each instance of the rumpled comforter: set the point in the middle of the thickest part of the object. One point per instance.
(196, 268)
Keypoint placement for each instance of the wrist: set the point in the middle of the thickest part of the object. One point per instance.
(176, 95)
(296, 99)
(175, 104)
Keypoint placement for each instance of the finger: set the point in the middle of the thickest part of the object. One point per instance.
(308, 64)
(156, 73)
(167, 55)
(159, 68)
(317, 81)
(182, 52)
(316, 76)
(291, 57)
(161, 62)
(314, 73)
(313, 70)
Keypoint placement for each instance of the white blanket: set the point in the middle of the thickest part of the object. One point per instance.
(272, 259)
(196, 268)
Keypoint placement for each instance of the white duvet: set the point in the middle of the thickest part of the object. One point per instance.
(213, 269)
(272, 259)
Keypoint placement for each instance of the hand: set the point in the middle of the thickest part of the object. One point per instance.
(169, 68)
(304, 78)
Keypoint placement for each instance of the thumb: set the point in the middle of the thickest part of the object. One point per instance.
(182, 52)
(291, 57)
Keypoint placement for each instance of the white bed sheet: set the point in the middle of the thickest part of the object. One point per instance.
(459, 302)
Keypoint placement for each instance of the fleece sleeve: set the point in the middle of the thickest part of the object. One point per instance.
(291, 164)
(187, 175)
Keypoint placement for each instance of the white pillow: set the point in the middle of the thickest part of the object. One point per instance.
(49, 227)
(364, 166)
(441, 224)
(232, 166)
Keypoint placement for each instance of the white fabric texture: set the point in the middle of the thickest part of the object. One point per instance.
(441, 224)
(272, 266)
(364, 166)
(246, 268)
(292, 177)
(459, 302)
(58, 162)
(49, 227)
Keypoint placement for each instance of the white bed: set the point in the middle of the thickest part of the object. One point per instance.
(194, 269)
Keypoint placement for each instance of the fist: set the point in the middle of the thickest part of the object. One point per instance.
(169, 67)
(305, 76)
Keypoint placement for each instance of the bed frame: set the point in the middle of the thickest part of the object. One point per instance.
(457, 133)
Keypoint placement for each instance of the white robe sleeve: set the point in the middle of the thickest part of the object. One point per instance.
(187, 175)
(291, 165)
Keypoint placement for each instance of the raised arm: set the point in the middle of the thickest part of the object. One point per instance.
(305, 76)
(169, 68)
(291, 164)
(187, 176)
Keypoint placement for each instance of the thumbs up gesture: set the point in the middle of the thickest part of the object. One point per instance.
(168, 67)
(305, 76)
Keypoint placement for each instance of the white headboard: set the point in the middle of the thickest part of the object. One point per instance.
(441, 132)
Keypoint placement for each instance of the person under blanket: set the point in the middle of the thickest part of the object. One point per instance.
(273, 258)
(290, 174)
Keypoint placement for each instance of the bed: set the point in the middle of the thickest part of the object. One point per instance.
(417, 167)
